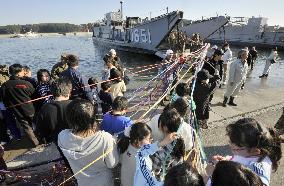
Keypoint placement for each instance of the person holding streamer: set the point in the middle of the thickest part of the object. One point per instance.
(135, 136)
(15, 92)
(84, 143)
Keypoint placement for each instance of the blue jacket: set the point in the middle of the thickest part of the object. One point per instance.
(143, 174)
(115, 124)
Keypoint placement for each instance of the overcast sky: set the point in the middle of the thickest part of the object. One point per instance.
(85, 11)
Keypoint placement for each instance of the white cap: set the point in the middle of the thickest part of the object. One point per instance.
(169, 52)
(214, 47)
(112, 51)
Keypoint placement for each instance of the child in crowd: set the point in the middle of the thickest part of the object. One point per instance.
(84, 142)
(105, 97)
(186, 131)
(136, 136)
(114, 122)
(109, 64)
(233, 174)
(201, 96)
(183, 175)
(173, 153)
(118, 87)
(95, 91)
(143, 174)
(28, 76)
(254, 146)
(43, 89)
(183, 90)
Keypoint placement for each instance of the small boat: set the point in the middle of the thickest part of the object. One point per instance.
(29, 34)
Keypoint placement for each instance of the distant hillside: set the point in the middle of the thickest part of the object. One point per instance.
(45, 28)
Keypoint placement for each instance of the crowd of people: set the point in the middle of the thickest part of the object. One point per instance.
(62, 107)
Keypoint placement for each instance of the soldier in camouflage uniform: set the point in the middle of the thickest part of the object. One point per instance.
(59, 67)
(4, 74)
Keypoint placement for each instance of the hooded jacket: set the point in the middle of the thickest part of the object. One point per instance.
(82, 151)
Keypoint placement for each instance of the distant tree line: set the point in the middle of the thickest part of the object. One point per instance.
(45, 28)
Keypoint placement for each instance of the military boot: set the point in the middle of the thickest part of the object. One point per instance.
(231, 102)
(225, 102)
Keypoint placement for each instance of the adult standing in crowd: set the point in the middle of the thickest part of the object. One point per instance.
(169, 58)
(249, 59)
(59, 67)
(16, 93)
(213, 67)
(227, 57)
(51, 118)
(237, 76)
(80, 87)
(254, 55)
(269, 61)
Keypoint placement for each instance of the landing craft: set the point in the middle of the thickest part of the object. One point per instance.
(134, 34)
(239, 31)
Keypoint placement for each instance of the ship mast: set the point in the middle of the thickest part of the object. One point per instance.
(121, 2)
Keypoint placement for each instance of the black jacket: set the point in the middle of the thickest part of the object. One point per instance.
(201, 95)
(16, 91)
(211, 65)
(51, 120)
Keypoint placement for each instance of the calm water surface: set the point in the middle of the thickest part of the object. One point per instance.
(44, 52)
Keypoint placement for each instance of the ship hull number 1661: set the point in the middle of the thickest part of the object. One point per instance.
(141, 36)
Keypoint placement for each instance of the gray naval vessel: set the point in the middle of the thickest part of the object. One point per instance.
(238, 31)
(134, 34)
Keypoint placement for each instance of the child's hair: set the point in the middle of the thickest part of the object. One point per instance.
(119, 103)
(182, 106)
(26, 68)
(40, 73)
(92, 81)
(247, 132)
(105, 86)
(183, 89)
(81, 115)
(172, 121)
(115, 74)
(234, 174)
(138, 132)
(183, 175)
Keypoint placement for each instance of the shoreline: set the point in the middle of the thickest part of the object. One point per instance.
(51, 34)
